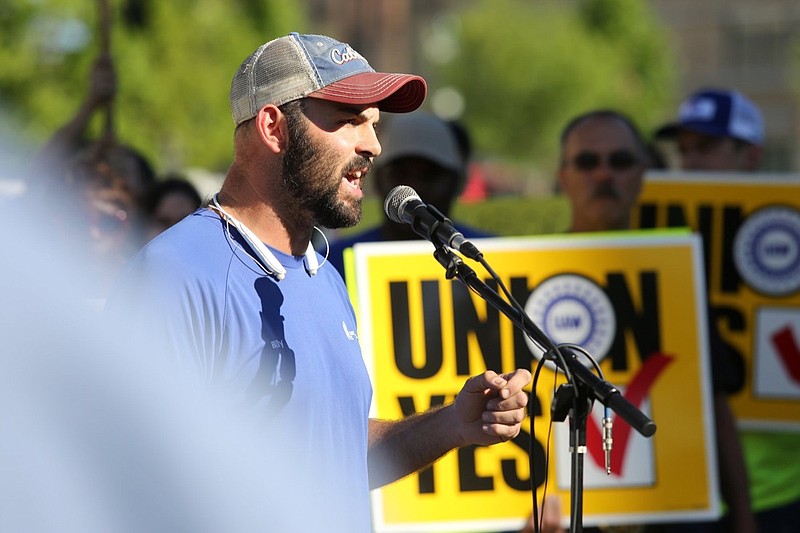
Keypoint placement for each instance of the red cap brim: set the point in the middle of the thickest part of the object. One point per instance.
(394, 93)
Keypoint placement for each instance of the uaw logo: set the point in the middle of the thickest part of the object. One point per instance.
(341, 57)
(572, 309)
(766, 251)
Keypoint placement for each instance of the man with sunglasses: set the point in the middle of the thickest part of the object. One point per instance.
(603, 161)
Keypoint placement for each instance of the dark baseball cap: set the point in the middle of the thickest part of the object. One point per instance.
(719, 113)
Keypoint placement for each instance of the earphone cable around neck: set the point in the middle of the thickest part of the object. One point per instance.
(327, 246)
(228, 218)
(273, 266)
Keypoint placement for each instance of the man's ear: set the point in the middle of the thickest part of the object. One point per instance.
(270, 124)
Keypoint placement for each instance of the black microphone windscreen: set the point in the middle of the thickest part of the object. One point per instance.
(395, 199)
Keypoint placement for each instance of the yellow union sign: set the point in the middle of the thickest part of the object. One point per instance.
(750, 226)
(633, 301)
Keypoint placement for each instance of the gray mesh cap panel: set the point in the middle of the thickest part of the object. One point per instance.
(276, 73)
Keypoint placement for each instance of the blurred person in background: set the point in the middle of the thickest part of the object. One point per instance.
(717, 130)
(98, 436)
(168, 201)
(603, 161)
(426, 153)
(95, 209)
(93, 187)
(72, 146)
(73, 140)
(723, 130)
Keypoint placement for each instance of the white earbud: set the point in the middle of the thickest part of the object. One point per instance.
(312, 265)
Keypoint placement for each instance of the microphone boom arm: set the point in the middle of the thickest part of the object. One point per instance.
(599, 389)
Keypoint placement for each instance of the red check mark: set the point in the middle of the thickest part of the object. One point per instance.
(786, 345)
(635, 393)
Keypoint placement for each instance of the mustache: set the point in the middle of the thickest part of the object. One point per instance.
(605, 190)
(358, 163)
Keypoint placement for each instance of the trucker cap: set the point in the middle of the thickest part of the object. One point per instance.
(720, 113)
(298, 66)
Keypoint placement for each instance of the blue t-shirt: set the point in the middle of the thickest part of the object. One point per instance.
(286, 351)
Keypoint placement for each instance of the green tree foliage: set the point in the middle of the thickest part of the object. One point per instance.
(525, 68)
(174, 61)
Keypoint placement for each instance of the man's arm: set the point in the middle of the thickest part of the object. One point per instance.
(488, 409)
(67, 139)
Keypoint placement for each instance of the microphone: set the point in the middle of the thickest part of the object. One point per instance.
(403, 205)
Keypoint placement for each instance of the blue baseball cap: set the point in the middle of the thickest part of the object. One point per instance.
(315, 66)
(719, 113)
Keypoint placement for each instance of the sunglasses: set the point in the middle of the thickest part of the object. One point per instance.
(617, 160)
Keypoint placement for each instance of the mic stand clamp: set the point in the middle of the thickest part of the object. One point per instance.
(449, 260)
(430, 234)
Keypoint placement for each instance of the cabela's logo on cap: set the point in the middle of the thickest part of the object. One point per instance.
(341, 57)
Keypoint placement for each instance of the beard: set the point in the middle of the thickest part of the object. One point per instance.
(311, 176)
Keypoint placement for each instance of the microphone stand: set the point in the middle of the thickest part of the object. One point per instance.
(574, 398)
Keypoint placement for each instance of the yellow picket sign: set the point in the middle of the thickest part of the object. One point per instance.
(634, 301)
(750, 224)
